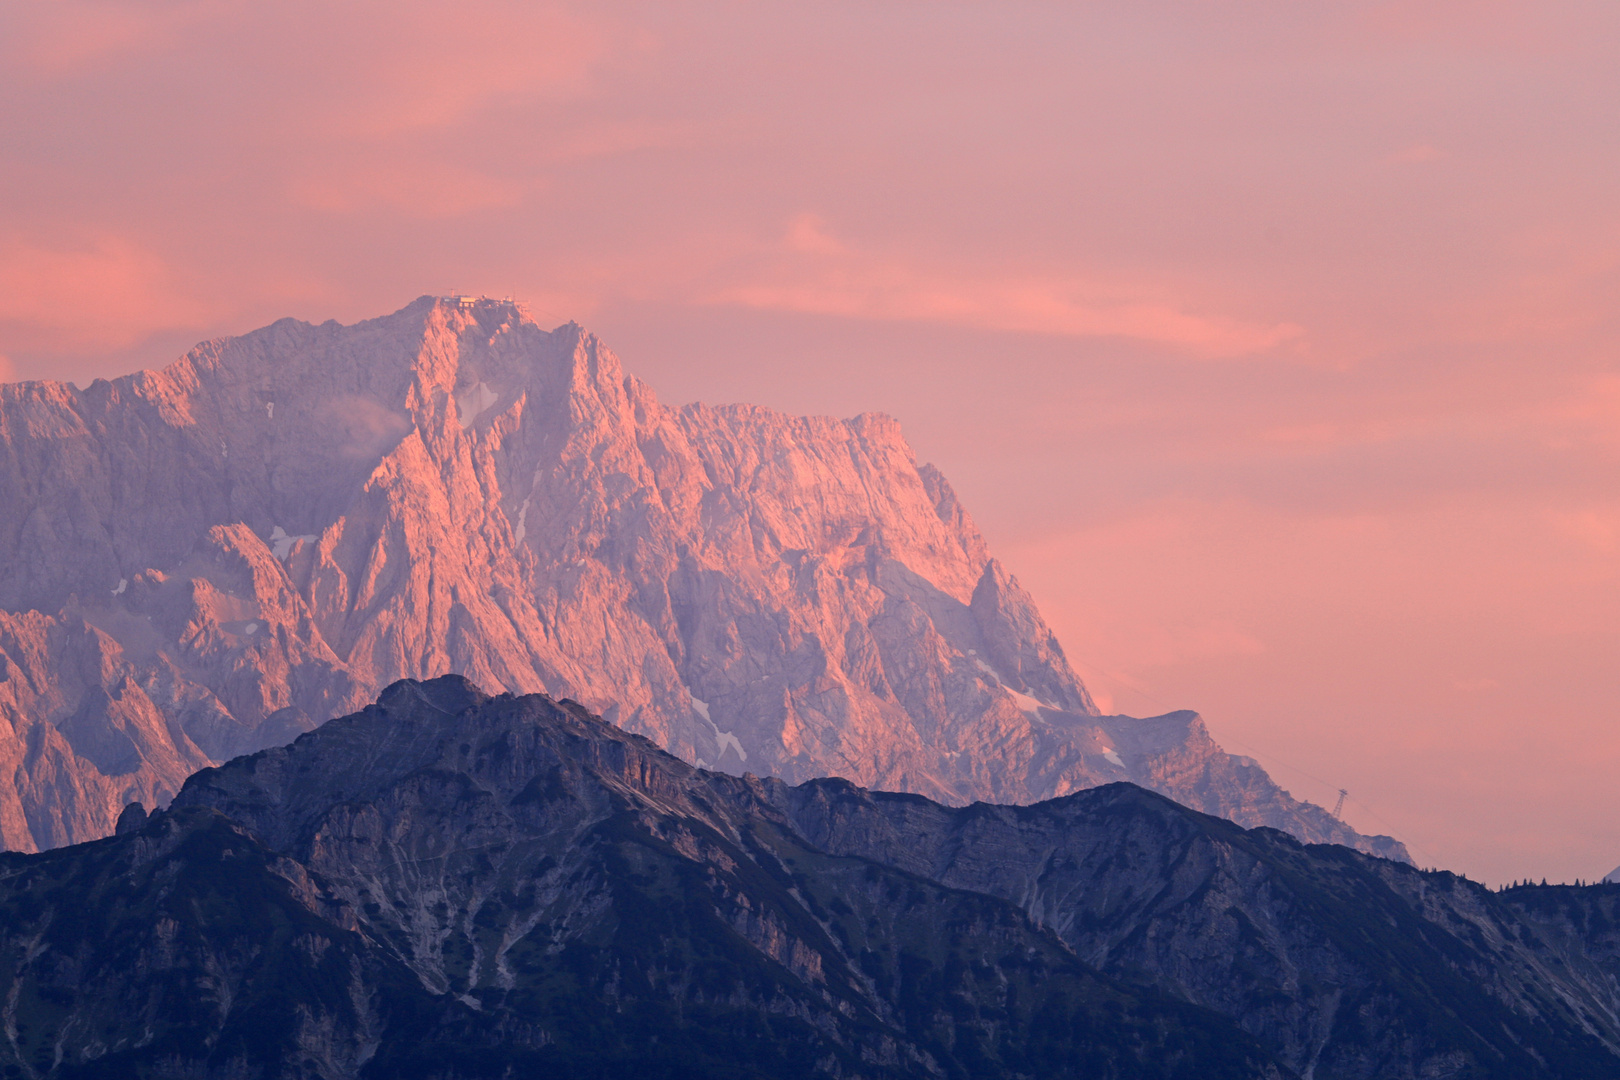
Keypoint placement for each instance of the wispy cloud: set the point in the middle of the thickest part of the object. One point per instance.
(360, 70)
(1597, 529)
(425, 189)
(106, 292)
(1418, 153)
(390, 69)
(815, 272)
(71, 37)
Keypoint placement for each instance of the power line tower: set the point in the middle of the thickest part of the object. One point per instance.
(1338, 806)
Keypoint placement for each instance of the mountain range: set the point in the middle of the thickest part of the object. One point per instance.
(447, 884)
(207, 560)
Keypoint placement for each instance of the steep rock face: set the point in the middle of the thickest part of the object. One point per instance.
(186, 950)
(430, 812)
(1346, 966)
(1581, 922)
(276, 526)
(489, 888)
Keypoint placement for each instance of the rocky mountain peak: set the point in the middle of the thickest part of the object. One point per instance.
(473, 836)
(211, 558)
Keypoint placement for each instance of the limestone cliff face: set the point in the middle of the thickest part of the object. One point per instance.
(1319, 952)
(476, 839)
(209, 559)
(446, 886)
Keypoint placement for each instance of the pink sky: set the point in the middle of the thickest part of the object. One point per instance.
(1272, 345)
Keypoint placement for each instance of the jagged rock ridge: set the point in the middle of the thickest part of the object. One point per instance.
(448, 884)
(209, 559)
(513, 887)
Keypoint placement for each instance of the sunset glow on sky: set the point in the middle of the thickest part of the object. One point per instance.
(1275, 347)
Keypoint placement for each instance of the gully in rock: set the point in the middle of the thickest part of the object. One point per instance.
(452, 884)
(287, 521)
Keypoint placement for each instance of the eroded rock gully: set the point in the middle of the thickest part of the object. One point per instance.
(208, 559)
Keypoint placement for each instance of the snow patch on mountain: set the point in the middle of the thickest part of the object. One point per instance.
(474, 402)
(281, 544)
(722, 739)
(1030, 705)
(522, 529)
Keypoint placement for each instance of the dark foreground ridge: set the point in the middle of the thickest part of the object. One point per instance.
(451, 885)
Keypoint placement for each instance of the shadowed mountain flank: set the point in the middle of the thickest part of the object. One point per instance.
(447, 883)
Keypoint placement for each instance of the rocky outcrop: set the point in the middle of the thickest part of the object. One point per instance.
(446, 885)
(472, 836)
(186, 949)
(1345, 966)
(209, 559)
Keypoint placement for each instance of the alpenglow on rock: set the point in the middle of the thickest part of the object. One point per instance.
(207, 560)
